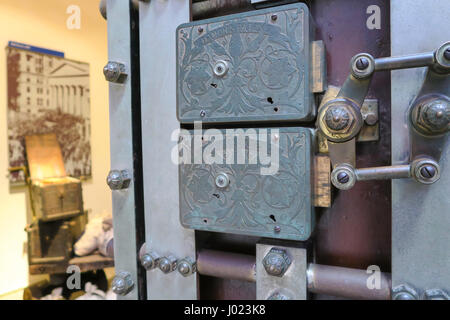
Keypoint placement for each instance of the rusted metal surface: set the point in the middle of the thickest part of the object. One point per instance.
(356, 231)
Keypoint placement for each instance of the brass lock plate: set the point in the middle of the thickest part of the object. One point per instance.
(238, 198)
(252, 66)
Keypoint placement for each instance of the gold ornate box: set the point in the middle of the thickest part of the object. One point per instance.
(54, 195)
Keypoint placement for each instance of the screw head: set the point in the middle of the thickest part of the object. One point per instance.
(220, 68)
(447, 54)
(202, 113)
(222, 180)
(362, 63)
(122, 283)
(276, 262)
(277, 229)
(274, 17)
(343, 177)
(200, 29)
(427, 171)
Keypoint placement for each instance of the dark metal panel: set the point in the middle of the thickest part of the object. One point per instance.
(356, 231)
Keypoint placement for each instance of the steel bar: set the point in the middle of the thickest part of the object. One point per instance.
(404, 62)
(383, 173)
(226, 265)
(330, 280)
(347, 282)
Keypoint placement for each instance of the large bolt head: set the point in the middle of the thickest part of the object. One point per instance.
(276, 262)
(167, 264)
(337, 117)
(437, 115)
(278, 296)
(114, 72)
(118, 180)
(149, 260)
(339, 120)
(436, 294)
(186, 267)
(122, 283)
(404, 292)
(431, 116)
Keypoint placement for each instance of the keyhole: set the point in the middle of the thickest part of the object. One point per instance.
(273, 218)
(270, 100)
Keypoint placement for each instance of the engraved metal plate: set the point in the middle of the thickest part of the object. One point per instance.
(238, 198)
(252, 66)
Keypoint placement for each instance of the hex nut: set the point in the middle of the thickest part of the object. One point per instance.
(115, 72)
(186, 266)
(122, 283)
(436, 294)
(118, 179)
(431, 115)
(276, 262)
(404, 292)
(348, 120)
(167, 264)
(150, 260)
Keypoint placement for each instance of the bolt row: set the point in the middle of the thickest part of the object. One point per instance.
(167, 264)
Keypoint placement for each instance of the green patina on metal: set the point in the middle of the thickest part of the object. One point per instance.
(264, 60)
(237, 198)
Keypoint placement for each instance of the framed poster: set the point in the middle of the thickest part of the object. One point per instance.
(48, 94)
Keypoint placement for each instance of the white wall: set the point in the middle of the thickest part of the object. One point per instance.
(43, 23)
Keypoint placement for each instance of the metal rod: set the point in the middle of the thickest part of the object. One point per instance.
(336, 281)
(226, 265)
(347, 282)
(211, 8)
(383, 173)
(404, 62)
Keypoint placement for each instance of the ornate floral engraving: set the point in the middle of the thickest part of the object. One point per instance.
(252, 203)
(268, 74)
